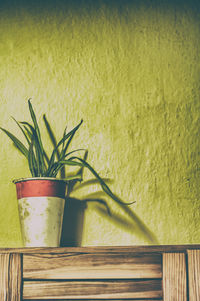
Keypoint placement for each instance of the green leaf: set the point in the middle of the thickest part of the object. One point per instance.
(54, 143)
(51, 135)
(62, 173)
(39, 158)
(17, 143)
(40, 148)
(30, 132)
(74, 151)
(46, 157)
(52, 158)
(35, 122)
(104, 186)
(64, 133)
(56, 167)
(70, 135)
(23, 131)
(62, 155)
(31, 160)
(28, 125)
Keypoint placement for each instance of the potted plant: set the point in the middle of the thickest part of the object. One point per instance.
(41, 198)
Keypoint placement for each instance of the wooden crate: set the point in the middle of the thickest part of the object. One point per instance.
(168, 273)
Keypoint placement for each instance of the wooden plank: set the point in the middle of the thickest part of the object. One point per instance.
(92, 266)
(10, 277)
(114, 249)
(174, 277)
(4, 276)
(71, 290)
(194, 274)
(157, 299)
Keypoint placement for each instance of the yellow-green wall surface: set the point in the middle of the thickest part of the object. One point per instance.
(131, 70)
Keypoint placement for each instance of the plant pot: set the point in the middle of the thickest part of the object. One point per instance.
(41, 204)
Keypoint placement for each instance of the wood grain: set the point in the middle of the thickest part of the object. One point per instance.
(194, 274)
(174, 277)
(91, 266)
(10, 277)
(113, 249)
(117, 273)
(71, 290)
(157, 299)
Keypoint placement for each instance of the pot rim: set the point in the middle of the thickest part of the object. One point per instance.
(38, 178)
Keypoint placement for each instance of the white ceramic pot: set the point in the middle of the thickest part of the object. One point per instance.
(41, 204)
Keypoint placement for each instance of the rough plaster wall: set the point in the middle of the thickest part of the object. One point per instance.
(131, 71)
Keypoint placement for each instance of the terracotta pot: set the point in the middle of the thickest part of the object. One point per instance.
(41, 204)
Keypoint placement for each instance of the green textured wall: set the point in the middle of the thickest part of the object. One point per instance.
(131, 70)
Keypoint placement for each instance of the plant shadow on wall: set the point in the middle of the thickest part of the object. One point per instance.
(74, 218)
(42, 166)
(74, 210)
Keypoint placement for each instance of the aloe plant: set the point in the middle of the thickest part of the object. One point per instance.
(41, 165)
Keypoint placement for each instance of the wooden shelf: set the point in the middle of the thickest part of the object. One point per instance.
(167, 273)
